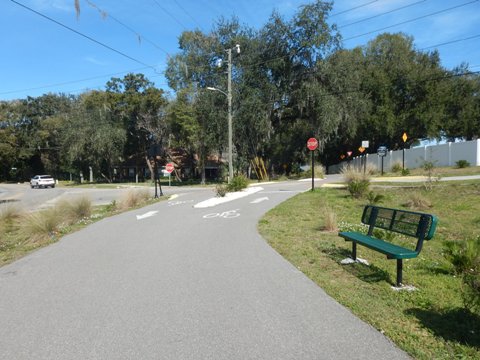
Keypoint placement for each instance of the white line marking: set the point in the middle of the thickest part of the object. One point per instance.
(259, 200)
(146, 215)
(229, 197)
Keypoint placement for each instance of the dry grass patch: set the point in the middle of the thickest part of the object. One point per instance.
(76, 210)
(40, 226)
(418, 202)
(9, 212)
(134, 198)
(330, 220)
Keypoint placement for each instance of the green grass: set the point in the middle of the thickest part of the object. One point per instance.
(429, 323)
(442, 171)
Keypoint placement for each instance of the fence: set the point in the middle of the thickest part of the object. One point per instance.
(441, 155)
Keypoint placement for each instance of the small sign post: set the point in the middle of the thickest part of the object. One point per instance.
(312, 145)
(382, 152)
(404, 138)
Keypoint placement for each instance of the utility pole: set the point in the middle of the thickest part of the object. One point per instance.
(228, 94)
(230, 130)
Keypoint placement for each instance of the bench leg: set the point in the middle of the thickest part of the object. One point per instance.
(354, 250)
(399, 272)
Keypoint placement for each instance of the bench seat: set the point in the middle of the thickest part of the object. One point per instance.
(417, 225)
(391, 250)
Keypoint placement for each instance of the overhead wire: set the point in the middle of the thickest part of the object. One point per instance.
(72, 81)
(451, 42)
(140, 36)
(247, 65)
(412, 20)
(170, 14)
(378, 15)
(353, 8)
(84, 35)
(188, 14)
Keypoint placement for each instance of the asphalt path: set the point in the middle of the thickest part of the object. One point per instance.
(174, 281)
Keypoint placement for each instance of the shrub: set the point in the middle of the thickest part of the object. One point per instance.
(358, 188)
(397, 167)
(374, 198)
(462, 164)
(357, 182)
(465, 258)
(405, 172)
(238, 183)
(432, 177)
(319, 172)
(221, 190)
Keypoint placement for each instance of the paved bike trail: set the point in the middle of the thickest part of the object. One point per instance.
(183, 283)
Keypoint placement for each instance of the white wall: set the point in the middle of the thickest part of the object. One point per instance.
(441, 155)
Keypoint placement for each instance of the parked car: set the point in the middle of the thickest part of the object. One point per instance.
(44, 181)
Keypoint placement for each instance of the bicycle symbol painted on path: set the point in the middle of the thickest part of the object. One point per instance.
(230, 214)
(174, 203)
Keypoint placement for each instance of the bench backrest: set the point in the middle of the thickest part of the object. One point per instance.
(419, 225)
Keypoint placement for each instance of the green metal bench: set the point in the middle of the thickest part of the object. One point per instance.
(419, 225)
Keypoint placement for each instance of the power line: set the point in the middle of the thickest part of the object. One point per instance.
(353, 8)
(170, 14)
(188, 14)
(72, 81)
(412, 20)
(140, 36)
(384, 13)
(451, 42)
(83, 35)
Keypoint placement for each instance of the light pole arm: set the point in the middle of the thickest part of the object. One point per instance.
(215, 89)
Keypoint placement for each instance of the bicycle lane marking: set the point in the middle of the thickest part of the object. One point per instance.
(230, 214)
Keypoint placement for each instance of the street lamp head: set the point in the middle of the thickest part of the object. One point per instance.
(237, 48)
(211, 88)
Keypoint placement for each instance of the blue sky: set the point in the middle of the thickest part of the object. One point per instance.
(39, 56)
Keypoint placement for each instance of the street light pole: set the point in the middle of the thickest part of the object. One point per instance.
(230, 116)
(230, 130)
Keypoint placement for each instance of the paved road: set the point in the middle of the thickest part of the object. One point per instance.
(33, 199)
(182, 283)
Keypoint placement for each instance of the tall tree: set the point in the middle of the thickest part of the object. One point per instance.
(92, 139)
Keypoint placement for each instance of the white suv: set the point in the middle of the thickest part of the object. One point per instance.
(42, 181)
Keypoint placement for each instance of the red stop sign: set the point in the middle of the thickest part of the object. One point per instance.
(169, 167)
(312, 144)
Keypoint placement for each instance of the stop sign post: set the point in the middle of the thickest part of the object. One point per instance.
(169, 168)
(312, 145)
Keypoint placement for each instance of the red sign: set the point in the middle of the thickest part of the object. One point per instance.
(169, 167)
(312, 144)
(349, 153)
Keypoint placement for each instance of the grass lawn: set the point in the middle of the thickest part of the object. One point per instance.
(443, 171)
(429, 323)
